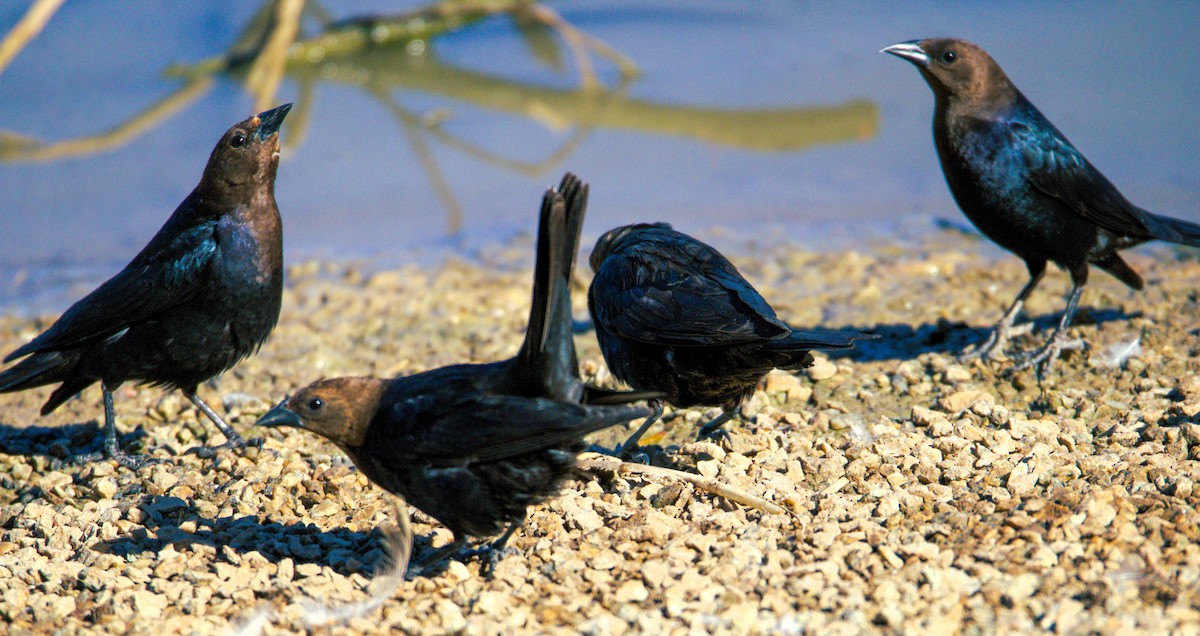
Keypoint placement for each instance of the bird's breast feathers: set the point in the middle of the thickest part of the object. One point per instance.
(245, 255)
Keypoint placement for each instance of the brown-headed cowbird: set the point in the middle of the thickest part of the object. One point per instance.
(673, 315)
(202, 295)
(473, 445)
(1020, 181)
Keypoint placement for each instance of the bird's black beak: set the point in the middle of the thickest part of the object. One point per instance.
(910, 51)
(269, 121)
(279, 416)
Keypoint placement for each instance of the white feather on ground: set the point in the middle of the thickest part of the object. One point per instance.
(397, 543)
(1117, 354)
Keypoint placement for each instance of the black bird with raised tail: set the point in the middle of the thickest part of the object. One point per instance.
(675, 316)
(1020, 181)
(202, 295)
(474, 445)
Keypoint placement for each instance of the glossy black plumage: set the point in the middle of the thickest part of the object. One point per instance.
(203, 294)
(674, 315)
(474, 445)
(1020, 181)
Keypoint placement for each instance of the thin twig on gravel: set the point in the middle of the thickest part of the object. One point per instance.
(604, 463)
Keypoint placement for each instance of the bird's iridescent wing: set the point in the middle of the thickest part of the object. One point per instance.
(681, 295)
(164, 274)
(1058, 169)
(479, 427)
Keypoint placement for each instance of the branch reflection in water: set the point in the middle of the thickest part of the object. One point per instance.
(387, 55)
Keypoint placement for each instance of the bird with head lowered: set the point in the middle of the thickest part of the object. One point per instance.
(474, 445)
(673, 315)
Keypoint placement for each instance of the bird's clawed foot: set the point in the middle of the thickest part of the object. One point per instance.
(713, 430)
(489, 555)
(234, 442)
(984, 351)
(1042, 359)
(435, 558)
(997, 339)
(627, 450)
(132, 462)
(632, 453)
(715, 435)
(621, 451)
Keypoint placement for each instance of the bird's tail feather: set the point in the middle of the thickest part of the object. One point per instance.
(823, 339)
(601, 396)
(793, 351)
(549, 349)
(1175, 230)
(535, 332)
(602, 417)
(67, 390)
(41, 369)
(36, 370)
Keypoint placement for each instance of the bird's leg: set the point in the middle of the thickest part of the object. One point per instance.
(439, 555)
(1003, 330)
(491, 553)
(998, 335)
(1044, 357)
(112, 449)
(713, 429)
(626, 449)
(233, 441)
(502, 541)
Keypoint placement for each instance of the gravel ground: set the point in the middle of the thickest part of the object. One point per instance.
(891, 490)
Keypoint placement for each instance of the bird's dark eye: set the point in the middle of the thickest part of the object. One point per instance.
(239, 139)
(316, 404)
(949, 56)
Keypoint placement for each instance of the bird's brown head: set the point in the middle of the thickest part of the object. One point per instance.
(956, 69)
(247, 155)
(340, 409)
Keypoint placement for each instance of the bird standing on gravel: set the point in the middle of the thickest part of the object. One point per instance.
(474, 445)
(674, 315)
(1020, 181)
(202, 295)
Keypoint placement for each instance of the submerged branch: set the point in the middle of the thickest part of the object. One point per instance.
(771, 130)
(266, 73)
(27, 28)
(14, 148)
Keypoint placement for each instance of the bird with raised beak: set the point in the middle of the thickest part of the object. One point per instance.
(202, 295)
(1020, 181)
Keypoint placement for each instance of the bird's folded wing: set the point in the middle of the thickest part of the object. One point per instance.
(152, 282)
(482, 427)
(679, 306)
(1059, 170)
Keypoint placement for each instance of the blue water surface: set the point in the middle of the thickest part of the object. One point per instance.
(1118, 78)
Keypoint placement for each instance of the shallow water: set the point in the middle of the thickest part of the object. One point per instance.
(771, 119)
